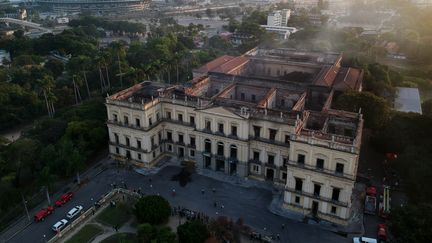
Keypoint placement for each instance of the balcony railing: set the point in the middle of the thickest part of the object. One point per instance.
(323, 170)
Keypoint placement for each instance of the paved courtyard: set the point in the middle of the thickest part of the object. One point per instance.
(249, 203)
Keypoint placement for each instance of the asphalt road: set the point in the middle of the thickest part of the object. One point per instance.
(247, 203)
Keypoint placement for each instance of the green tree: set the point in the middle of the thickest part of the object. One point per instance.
(152, 209)
(76, 164)
(55, 66)
(427, 107)
(146, 232)
(411, 223)
(23, 156)
(192, 232)
(375, 110)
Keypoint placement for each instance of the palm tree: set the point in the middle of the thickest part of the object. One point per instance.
(76, 164)
(46, 179)
(45, 85)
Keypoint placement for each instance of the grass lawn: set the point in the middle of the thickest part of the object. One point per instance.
(86, 233)
(115, 216)
(121, 237)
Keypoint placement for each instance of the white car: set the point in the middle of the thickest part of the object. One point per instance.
(59, 225)
(74, 211)
(364, 240)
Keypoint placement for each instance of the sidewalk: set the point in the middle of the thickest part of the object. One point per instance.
(23, 222)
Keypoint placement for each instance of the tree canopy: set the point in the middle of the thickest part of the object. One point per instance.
(152, 209)
(193, 232)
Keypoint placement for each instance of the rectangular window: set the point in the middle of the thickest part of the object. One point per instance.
(272, 134)
(297, 199)
(126, 120)
(270, 159)
(320, 164)
(317, 189)
(150, 121)
(117, 150)
(285, 162)
(192, 153)
(137, 122)
(208, 125)
(220, 150)
(127, 141)
(242, 96)
(284, 176)
(301, 158)
(192, 120)
(169, 147)
(116, 137)
(333, 210)
(139, 156)
(180, 137)
(287, 139)
(335, 194)
(221, 128)
(256, 155)
(192, 141)
(257, 131)
(168, 114)
(180, 117)
(159, 137)
(152, 141)
(154, 154)
(115, 117)
(234, 131)
(298, 184)
(253, 97)
(169, 136)
(157, 116)
(339, 168)
(138, 143)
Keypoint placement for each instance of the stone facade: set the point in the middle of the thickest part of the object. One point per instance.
(261, 128)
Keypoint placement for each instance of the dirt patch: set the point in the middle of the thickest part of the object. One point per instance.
(184, 177)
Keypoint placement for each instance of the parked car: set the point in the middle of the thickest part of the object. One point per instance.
(382, 233)
(43, 213)
(364, 240)
(59, 225)
(74, 211)
(64, 199)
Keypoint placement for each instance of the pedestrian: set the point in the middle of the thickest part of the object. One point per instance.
(222, 206)
(151, 186)
(214, 190)
(277, 236)
(215, 204)
(283, 226)
(173, 192)
(202, 191)
(265, 228)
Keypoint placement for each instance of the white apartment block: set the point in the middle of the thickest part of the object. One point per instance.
(265, 115)
(279, 17)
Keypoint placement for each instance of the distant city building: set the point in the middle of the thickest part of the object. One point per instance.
(282, 32)
(95, 6)
(265, 115)
(279, 17)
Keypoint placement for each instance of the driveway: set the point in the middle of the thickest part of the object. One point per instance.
(248, 203)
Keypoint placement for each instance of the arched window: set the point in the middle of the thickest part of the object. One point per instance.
(233, 151)
(207, 146)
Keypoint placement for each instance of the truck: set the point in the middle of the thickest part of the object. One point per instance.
(384, 205)
(43, 213)
(371, 200)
